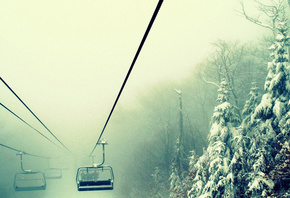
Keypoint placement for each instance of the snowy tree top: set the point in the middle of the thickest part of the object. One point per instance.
(223, 91)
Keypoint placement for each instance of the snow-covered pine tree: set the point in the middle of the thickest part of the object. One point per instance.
(178, 171)
(219, 153)
(190, 175)
(200, 170)
(158, 189)
(219, 150)
(270, 121)
(180, 187)
(281, 173)
(175, 183)
(250, 105)
(236, 180)
(240, 146)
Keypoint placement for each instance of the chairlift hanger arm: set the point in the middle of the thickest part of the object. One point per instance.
(21, 163)
(103, 142)
(131, 67)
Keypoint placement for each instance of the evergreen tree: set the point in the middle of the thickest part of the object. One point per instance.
(281, 174)
(240, 146)
(201, 175)
(219, 149)
(250, 106)
(191, 173)
(175, 183)
(270, 119)
(274, 103)
(158, 184)
(235, 186)
(219, 152)
(177, 171)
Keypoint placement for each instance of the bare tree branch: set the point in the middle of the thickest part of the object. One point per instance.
(252, 19)
(209, 82)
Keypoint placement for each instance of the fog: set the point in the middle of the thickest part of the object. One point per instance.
(67, 60)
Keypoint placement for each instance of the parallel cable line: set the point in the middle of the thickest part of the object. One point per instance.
(27, 124)
(131, 67)
(19, 151)
(33, 113)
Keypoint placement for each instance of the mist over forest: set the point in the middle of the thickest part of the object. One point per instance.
(222, 130)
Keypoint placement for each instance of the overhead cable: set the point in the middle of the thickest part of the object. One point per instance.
(33, 113)
(27, 124)
(131, 68)
(23, 152)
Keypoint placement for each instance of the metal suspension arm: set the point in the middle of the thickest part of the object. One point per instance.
(103, 142)
(21, 162)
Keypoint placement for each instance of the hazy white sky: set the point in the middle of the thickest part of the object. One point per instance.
(67, 59)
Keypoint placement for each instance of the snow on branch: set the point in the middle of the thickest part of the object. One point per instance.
(209, 82)
(252, 19)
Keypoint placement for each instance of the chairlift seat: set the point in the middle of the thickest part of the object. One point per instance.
(29, 181)
(53, 173)
(95, 178)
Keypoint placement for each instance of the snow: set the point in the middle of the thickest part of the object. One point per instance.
(214, 131)
(272, 47)
(259, 181)
(278, 109)
(223, 107)
(279, 66)
(217, 161)
(198, 185)
(265, 106)
(280, 37)
(275, 81)
(206, 195)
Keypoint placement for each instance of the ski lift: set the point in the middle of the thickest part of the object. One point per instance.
(95, 177)
(52, 173)
(29, 180)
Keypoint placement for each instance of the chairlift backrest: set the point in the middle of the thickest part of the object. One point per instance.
(53, 173)
(29, 181)
(95, 178)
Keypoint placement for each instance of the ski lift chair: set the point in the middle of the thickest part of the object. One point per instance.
(29, 180)
(52, 173)
(96, 177)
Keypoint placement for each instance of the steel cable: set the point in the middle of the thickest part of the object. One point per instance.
(23, 152)
(27, 124)
(33, 113)
(131, 68)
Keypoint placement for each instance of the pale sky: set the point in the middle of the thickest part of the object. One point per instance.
(67, 59)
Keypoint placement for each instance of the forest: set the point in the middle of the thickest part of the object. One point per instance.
(221, 132)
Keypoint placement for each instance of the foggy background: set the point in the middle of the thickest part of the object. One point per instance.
(67, 60)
